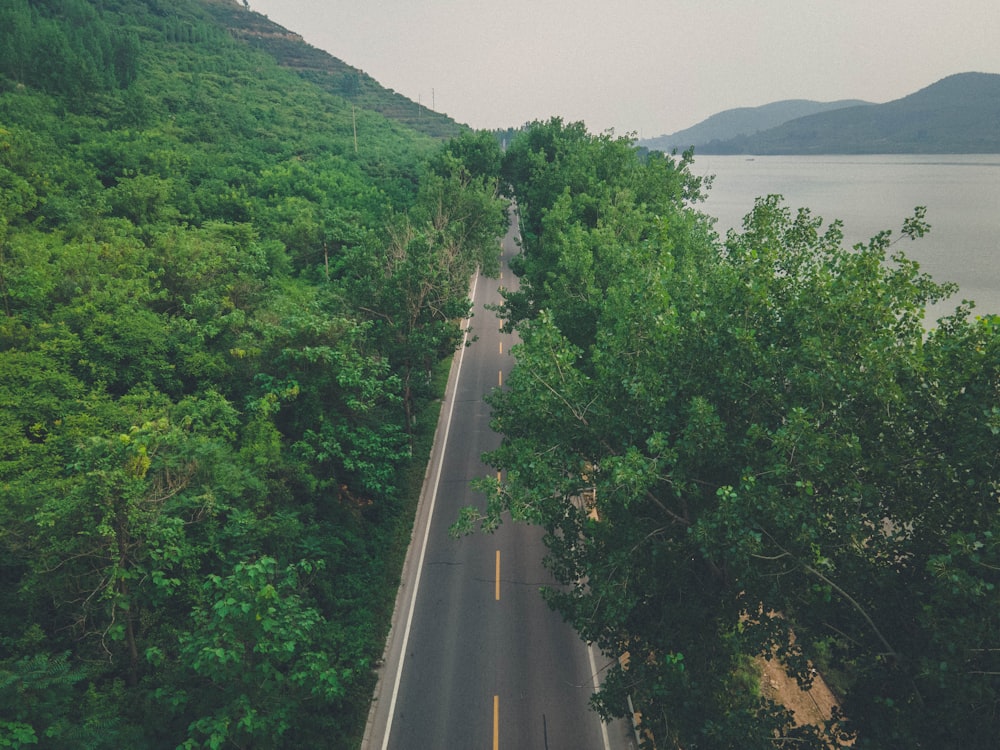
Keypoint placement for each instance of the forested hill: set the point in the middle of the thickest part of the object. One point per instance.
(958, 114)
(228, 296)
(327, 71)
(742, 121)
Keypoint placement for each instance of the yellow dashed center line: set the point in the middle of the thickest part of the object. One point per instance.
(496, 722)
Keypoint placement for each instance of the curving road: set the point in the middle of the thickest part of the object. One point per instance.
(475, 658)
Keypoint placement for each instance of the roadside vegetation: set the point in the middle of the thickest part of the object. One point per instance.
(749, 446)
(223, 322)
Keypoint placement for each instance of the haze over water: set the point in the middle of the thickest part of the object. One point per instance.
(872, 193)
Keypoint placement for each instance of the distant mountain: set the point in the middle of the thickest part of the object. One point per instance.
(958, 114)
(326, 71)
(743, 121)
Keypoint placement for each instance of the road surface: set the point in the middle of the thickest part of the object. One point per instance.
(486, 664)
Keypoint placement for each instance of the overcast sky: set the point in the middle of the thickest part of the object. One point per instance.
(645, 66)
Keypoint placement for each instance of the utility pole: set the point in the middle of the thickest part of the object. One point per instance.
(354, 119)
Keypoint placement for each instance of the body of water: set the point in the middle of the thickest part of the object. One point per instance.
(872, 193)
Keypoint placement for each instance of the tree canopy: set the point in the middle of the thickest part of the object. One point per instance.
(745, 447)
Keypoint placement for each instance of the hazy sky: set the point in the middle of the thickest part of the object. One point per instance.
(645, 66)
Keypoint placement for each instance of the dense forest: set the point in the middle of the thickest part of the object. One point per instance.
(227, 301)
(749, 447)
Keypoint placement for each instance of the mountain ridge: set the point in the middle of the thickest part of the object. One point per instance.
(956, 114)
(744, 121)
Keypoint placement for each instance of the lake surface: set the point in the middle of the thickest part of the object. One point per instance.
(872, 193)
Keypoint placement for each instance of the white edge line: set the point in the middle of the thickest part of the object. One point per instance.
(427, 528)
(597, 687)
(635, 727)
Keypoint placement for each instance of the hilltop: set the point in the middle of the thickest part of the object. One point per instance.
(324, 70)
(743, 122)
(958, 114)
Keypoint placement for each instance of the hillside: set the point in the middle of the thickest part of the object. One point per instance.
(958, 114)
(326, 71)
(228, 298)
(741, 122)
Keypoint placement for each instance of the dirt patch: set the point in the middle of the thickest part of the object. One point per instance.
(813, 706)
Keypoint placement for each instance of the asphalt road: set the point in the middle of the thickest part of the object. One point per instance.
(476, 660)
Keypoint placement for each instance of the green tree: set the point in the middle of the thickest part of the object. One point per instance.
(341, 411)
(263, 659)
(414, 286)
(43, 707)
(579, 198)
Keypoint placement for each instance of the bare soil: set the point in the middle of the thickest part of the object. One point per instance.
(813, 706)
